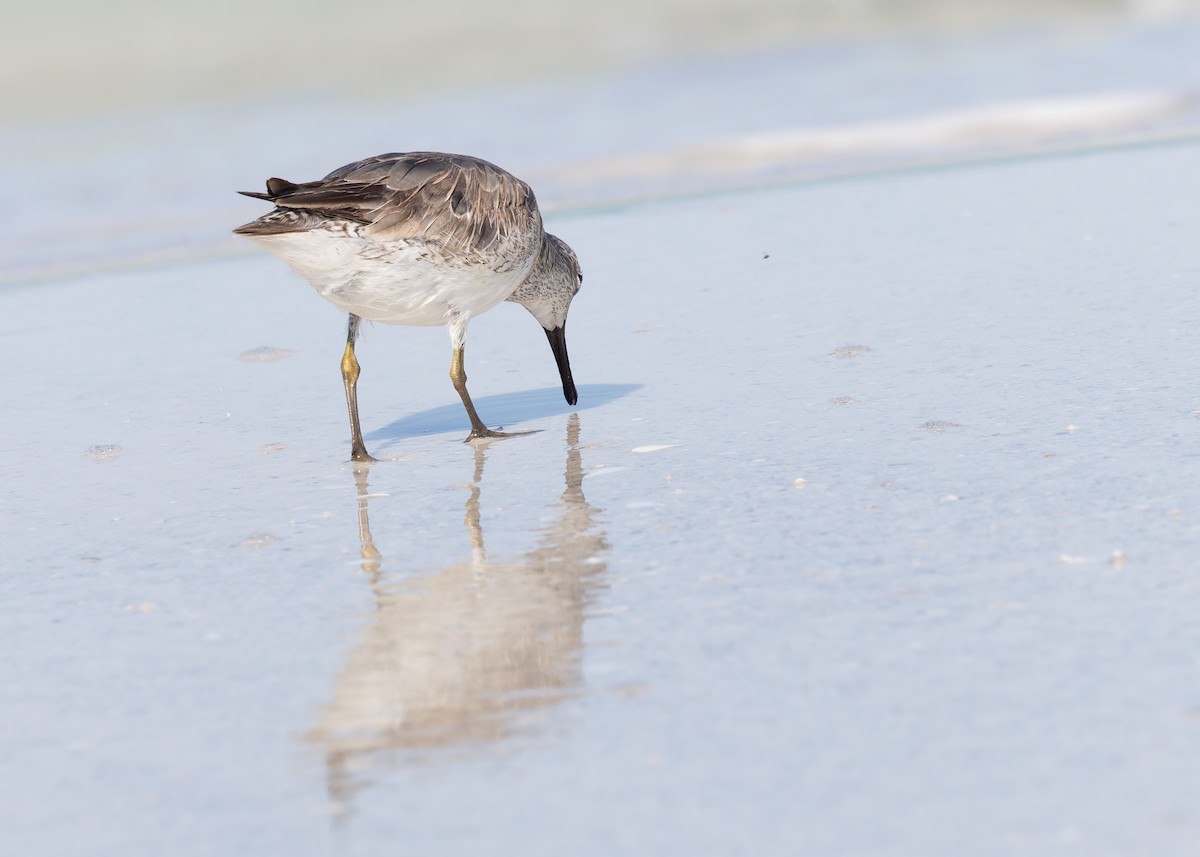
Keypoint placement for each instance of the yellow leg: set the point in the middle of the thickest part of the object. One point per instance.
(358, 450)
(458, 377)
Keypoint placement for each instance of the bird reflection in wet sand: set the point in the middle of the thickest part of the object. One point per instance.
(468, 654)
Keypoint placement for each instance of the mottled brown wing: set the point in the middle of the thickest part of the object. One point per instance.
(461, 203)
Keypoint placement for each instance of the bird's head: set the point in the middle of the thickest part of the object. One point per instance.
(547, 293)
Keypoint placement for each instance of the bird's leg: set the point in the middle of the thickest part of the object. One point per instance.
(458, 376)
(358, 450)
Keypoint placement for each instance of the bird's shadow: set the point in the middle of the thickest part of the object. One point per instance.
(505, 410)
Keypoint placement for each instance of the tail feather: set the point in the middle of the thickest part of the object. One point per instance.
(279, 221)
(276, 188)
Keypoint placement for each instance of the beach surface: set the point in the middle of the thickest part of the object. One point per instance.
(873, 532)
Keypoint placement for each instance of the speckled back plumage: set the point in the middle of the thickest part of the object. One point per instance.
(469, 207)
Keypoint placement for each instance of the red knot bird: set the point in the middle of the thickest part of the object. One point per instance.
(422, 238)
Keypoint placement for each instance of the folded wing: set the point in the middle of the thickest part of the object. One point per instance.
(461, 203)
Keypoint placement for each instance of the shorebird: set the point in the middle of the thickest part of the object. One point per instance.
(422, 238)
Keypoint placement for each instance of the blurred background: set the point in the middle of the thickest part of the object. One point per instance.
(72, 57)
(129, 125)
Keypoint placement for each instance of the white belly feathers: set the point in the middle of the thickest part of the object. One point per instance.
(397, 282)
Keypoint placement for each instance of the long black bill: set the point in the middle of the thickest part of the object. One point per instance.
(558, 344)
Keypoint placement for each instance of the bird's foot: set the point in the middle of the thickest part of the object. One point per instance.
(362, 456)
(483, 434)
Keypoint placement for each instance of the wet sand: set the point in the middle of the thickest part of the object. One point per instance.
(873, 531)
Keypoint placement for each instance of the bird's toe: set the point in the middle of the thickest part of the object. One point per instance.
(487, 434)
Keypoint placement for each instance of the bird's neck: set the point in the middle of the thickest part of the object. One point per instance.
(551, 257)
(541, 292)
(546, 270)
